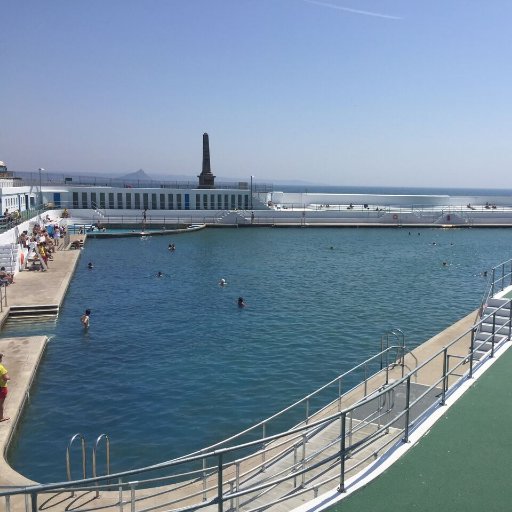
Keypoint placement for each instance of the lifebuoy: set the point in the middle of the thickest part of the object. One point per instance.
(395, 216)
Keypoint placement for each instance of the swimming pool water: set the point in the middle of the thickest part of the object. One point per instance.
(171, 364)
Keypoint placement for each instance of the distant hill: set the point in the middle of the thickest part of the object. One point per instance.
(137, 175)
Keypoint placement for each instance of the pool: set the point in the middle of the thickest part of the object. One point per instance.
(170, 364)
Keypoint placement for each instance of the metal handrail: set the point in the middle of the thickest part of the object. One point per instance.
(107, 453)
(68, 456)
(495, 283)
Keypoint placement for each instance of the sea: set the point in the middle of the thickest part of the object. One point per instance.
(389, 190)
(170, 364)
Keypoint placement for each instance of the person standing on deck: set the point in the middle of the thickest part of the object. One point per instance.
(3, 388)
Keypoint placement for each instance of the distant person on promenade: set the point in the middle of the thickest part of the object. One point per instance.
(85, 318)
(3, 388)
(144, 214)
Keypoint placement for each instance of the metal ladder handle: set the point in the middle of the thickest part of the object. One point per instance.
(95, 449)
(68, 457)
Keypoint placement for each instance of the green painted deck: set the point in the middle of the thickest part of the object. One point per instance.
(463, 464)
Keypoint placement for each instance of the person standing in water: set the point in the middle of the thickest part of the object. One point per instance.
(85, 318)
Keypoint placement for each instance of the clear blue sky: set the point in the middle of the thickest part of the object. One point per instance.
(340, 92)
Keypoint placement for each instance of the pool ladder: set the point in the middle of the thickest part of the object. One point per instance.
(84, 458)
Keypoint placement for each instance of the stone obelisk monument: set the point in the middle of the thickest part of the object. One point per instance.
(206, 178)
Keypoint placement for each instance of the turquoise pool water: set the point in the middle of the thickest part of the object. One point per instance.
(171, 364)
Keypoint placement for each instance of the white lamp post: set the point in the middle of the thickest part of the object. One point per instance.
(251, 190)
(40, 188)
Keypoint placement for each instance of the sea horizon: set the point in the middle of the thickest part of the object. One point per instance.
(394, 190)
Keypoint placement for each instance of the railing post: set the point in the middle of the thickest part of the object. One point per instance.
(493, 278)
(204, 479)
(295, 465)
(237, 487)
(365, 379)
(132, 497)
(120, 484)
(509, 319)
(303, 476)
(263, 453)
(493, 333)
(471, 353)
(33, 501)
(219, 483)
(343, 418)
(340, 386)
(407, 409)
(445, 376)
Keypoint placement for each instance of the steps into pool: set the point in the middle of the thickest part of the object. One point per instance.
(34, 311)
(495, 321)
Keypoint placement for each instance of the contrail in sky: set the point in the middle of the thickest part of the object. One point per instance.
(354, 11)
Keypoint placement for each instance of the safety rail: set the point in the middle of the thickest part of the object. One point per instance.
(318, 454)
(499, 279)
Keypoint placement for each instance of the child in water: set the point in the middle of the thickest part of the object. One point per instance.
(85, 318)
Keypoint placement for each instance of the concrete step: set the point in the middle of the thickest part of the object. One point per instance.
(496, 303)
(34, 310)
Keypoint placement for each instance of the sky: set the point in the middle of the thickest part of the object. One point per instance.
(338, 92)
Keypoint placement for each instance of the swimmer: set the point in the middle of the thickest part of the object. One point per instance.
(85, 318)
(172, 247)
(160, 274)
(241, 302)
(90, 265)
(445, 263)
(222, 282)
